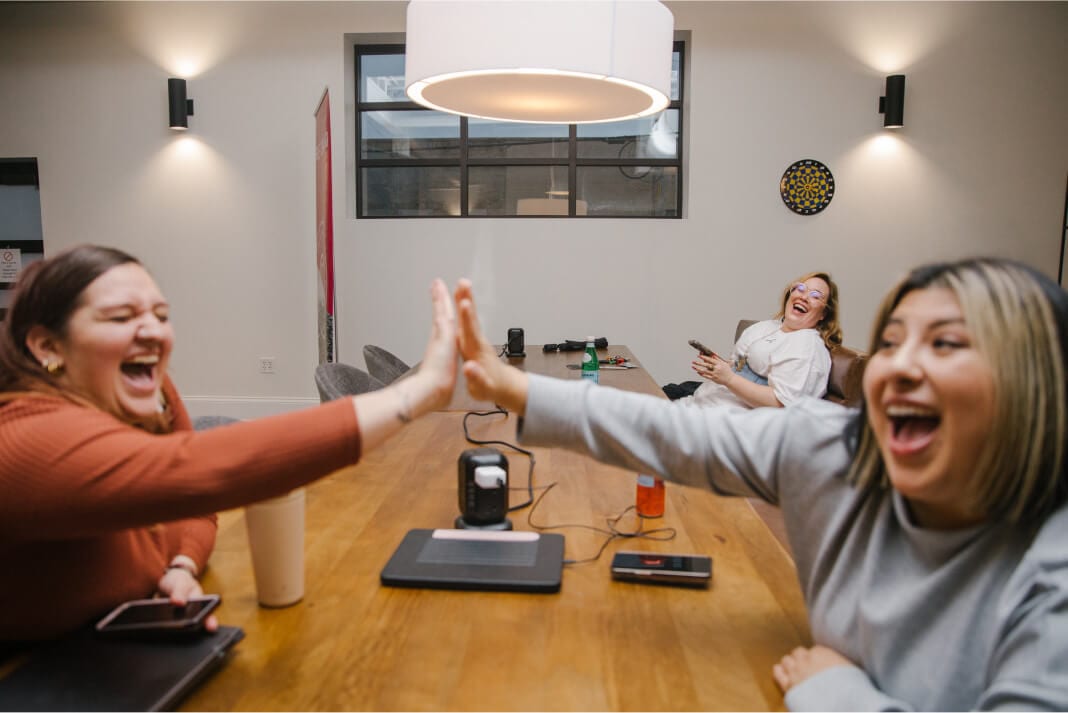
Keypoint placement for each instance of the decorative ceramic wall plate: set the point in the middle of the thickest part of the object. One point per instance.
(807, 187)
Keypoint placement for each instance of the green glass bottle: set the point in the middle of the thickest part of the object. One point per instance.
(591, 369)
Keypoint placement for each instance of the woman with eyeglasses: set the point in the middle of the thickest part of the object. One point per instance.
(928, 526)
(776, 361)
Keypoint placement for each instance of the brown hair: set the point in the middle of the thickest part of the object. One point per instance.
(828, 326)
(1019, 320)
(46, 294)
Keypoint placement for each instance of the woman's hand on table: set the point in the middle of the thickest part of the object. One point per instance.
(801, 664)
(179, 585)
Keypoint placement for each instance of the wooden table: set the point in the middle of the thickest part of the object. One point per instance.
(353, 644)
(556, 364)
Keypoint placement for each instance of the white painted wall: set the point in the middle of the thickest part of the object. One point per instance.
(224, 216)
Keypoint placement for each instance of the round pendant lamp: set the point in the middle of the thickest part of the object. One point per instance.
(540, 61)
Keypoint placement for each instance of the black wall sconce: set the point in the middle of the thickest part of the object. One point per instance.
(892, 106)
(181, 107)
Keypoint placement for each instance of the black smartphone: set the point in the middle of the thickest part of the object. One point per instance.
(687, 570)
(158, 618)
(701, 348)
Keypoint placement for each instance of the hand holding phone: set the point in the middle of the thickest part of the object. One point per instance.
(702, 348)
(158, 618)
(653, 567)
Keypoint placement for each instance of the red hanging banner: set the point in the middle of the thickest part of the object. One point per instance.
(324, 232)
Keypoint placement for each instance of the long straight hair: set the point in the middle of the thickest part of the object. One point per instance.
(1019, 320)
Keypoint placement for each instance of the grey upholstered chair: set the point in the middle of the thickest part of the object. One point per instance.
(203, 423)
(383, 365)
(336, 380)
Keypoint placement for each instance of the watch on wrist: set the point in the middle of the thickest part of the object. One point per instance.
(183, 562)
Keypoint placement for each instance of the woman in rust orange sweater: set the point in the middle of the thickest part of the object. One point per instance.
(106, 494)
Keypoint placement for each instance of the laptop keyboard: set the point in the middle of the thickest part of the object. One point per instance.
(479, 552)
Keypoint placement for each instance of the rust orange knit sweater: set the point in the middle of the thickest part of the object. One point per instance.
(92, 510)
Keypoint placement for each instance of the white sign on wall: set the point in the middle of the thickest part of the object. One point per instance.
(10, 264)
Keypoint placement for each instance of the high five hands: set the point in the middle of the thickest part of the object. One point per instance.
(488, 378)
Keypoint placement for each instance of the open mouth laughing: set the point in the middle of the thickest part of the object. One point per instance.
(140, 371)
(913, 427)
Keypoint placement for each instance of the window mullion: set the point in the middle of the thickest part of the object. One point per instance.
(572, 170)
(463, 168)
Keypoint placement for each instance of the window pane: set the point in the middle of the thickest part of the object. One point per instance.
(650, 191)
(676, 61)
(411, 191)
(409, 134)
(509, 139)
(382, 78)
(517, 190)
(410, 160)
(648, 137)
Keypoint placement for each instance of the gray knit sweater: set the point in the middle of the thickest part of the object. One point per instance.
(933, 619)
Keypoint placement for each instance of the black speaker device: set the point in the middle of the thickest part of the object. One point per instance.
(482, 489)
(516, 344)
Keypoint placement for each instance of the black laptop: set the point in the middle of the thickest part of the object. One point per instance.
(85, 672)
(477, 559)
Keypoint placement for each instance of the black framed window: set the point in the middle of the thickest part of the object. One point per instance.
(416, 163)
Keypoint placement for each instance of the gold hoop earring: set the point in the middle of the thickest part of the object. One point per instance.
(52, 367)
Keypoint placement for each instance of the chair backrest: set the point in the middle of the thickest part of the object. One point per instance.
(383, 365)
(847, 371)
(203, 423)
(336, 380)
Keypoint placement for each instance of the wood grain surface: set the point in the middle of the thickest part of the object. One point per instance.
(598, 644)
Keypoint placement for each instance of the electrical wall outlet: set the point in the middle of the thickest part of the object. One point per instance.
(266, 365)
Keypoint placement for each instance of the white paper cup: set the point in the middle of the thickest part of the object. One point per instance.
(276, 541)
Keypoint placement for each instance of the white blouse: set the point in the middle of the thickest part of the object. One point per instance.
(795, 363)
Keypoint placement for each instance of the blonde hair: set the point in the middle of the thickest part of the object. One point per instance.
(828, 327)
(1019, 322)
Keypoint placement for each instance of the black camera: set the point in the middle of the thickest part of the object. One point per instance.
(575, 345)
(482, 490)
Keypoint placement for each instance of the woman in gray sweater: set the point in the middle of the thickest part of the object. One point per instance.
(929, 527)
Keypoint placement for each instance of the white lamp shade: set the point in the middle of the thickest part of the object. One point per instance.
(540, 61)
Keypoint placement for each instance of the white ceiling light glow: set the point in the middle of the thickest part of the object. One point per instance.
(540, 61)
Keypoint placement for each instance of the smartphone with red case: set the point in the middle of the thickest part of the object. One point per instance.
(655, 567)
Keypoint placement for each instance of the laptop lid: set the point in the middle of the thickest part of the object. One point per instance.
(86, 672)
(477, 559)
